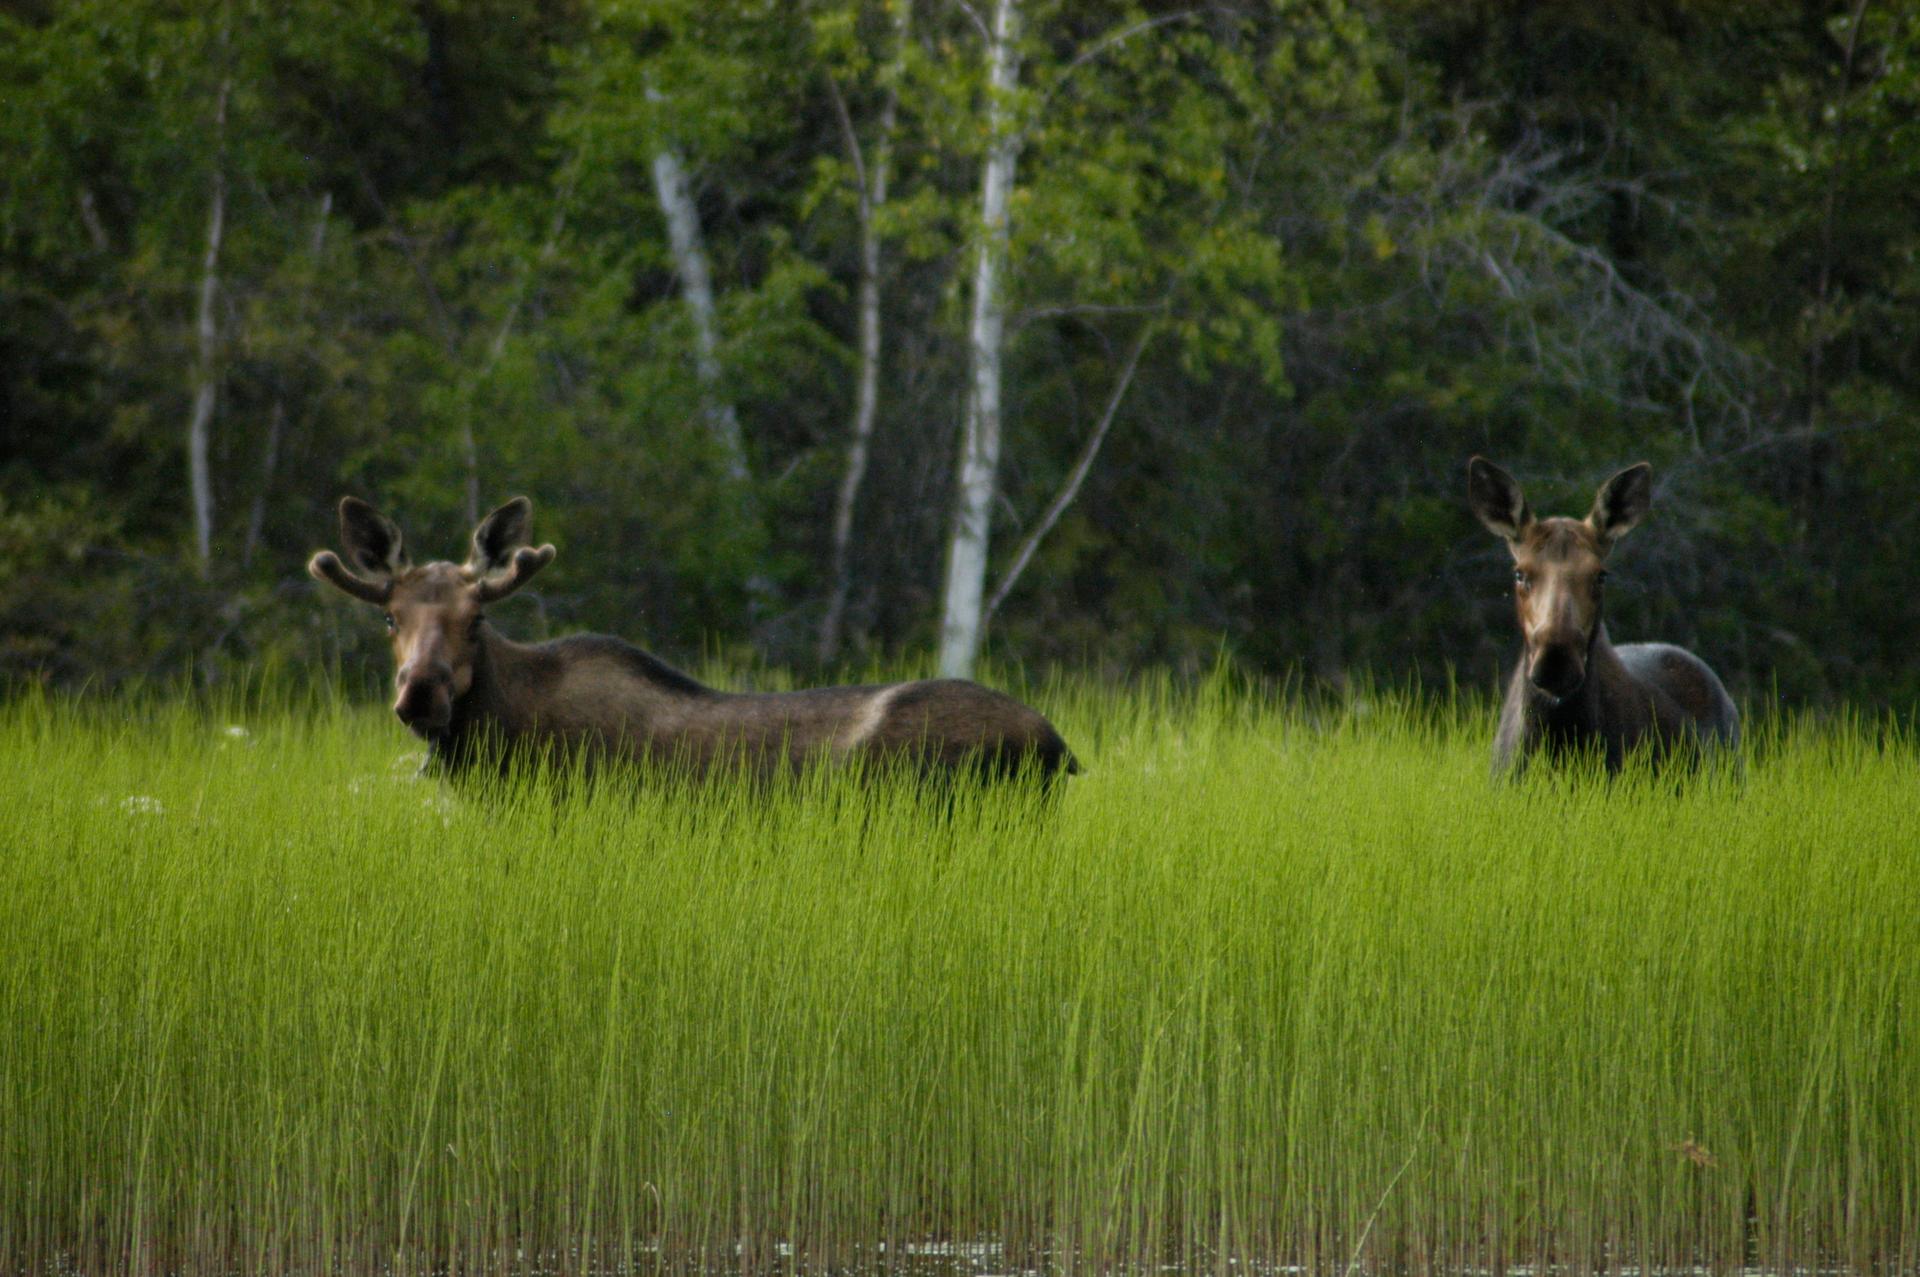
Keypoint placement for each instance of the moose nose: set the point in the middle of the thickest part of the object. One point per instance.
(425, 702)
(1557, 671)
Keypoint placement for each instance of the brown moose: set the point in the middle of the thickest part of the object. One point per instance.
(1572, 689)
(460, 683)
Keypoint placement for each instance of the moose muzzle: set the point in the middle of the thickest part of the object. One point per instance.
(1557, 668)
(425, 700)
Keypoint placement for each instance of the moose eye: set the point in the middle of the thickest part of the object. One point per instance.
(1599, 578)
(388, 618)
(1519, 576)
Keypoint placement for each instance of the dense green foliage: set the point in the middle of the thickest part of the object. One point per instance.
(1362, 238)
(1271, 982)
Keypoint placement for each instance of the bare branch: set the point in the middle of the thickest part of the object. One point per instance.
(546, 254)
(1081, 310)
(1077, 475)
(845, 120)
(973, 16)
(1109, 41)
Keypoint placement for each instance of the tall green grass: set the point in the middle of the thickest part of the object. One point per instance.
(1271, 983)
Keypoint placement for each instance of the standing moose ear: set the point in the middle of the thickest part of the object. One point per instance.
(374, 545)
(499, 535)
(1497, 499)
(1622, 502)
(501, 561)
(373, 541)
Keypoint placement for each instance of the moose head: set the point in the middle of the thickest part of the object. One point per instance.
(1559, 566)
(435, 612)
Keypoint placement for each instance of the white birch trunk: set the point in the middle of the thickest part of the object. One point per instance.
(90, 218)
(696, 282)
(961, 625)
(873, 194)
(206, 378)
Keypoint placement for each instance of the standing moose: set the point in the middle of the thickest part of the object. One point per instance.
(460, 684)
(1573, 689)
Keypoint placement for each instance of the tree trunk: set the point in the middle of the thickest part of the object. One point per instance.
(696, 282)
(277, 418)
(269, 462)
(961, 628)
(1821, 330)
(873, 194)
(206, 378)
(90, 218)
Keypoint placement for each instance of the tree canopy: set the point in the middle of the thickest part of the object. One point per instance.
(1273, 270)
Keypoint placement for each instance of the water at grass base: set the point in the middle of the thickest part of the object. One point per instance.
(941, 1258)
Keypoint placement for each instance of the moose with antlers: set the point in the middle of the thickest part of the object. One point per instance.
(465, 687)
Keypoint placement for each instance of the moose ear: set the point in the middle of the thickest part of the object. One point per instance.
(1497, 499)
(499, 535)
(1622, 502)
(373, 541)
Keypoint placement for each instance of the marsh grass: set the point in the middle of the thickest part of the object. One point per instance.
(1275, 981)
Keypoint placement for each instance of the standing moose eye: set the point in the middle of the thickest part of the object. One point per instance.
(1520, 576)
(1600, 578)
(388, 618)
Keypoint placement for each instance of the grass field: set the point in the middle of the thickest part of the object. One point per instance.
(1273, 983)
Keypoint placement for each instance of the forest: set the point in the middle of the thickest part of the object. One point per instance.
(845, 333)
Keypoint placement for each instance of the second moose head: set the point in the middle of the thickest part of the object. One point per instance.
(1559, 566)
(1572, 690)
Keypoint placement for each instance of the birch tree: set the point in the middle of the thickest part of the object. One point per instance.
(206, 328)
(675, 192)
(664, 99)
(682, 304)
(961, 617)
(178, 128)
(871, 173)
(1132, 226)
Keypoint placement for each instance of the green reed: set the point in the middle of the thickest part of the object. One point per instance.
(1278, 980)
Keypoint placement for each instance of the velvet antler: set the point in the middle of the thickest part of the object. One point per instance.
(525, 562)
(326, 566)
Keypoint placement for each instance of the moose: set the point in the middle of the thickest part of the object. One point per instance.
(1572, 689)
(467, 689)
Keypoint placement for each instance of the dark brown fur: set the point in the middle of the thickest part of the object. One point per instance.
(466, 688)
(1572, 691)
